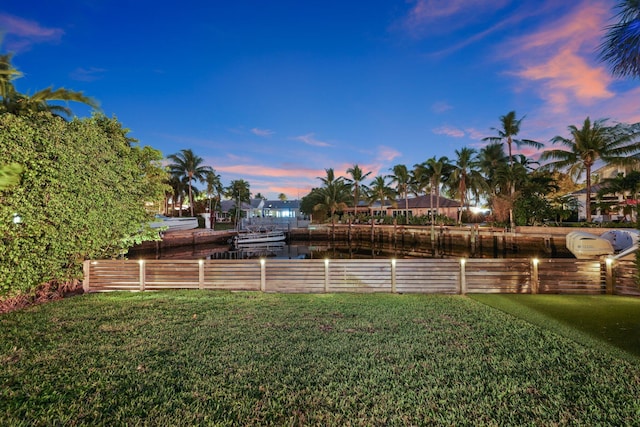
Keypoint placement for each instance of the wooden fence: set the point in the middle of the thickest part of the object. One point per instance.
(446, 276)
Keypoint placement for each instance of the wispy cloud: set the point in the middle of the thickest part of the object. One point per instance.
(87, 74)
(262, 132)
(310, 139)
(387, 154)
(21, 34)
(436, 16)
(449, 131)
(441, 107)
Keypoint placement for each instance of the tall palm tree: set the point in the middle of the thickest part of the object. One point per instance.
(403, 181)
(175, 192)
(332, 196)
(465, 177)
(239, 191)
(214, 192)
(594, 141)
(188, 165)
(17, 103)
(621, 45)
(357, 177)
(380, 191)
(510, 127)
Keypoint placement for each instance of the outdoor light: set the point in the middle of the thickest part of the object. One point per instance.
(16, 218)
(326, 262)
(200, 262)
(608, 261)
(535, 261)
(462, 261)
(393, 262)
(262, 261)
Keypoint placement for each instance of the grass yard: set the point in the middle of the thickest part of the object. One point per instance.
(219, 358)
(594, 320)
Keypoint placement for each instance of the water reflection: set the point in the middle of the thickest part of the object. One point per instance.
(340, 250)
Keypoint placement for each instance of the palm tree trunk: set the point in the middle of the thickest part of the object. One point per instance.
(588, 203)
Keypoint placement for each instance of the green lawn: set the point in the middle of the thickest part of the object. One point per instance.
(219, 358)
(600, 321)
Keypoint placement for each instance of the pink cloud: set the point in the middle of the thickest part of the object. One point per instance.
(261, 171)
(561, 57)
(449, 131)
(387, 154)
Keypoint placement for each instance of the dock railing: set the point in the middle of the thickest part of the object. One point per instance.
(445, 276)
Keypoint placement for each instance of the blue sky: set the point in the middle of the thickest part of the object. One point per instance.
(274, 92)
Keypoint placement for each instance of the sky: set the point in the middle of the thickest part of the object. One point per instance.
(275, 92)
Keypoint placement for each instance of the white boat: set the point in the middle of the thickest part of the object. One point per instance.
(585, 245)
(174, 224)
(252, 237)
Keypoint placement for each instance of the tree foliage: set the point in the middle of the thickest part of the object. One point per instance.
(81, 196)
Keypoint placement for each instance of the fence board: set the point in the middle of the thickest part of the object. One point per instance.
(626, 276)
(565, 276)
(497, 276)
(427, 276)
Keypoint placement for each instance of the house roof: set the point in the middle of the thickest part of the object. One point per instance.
(282, 204)
(424, 202)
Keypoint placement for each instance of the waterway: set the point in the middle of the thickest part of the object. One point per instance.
(348, 250)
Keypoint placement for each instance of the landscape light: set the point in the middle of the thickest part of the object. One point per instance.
(608, 261)
(393, 262)
(262, 261)
(462, 261)
(535, 261)
(16, 218)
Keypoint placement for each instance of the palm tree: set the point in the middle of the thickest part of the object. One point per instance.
(381, 192)
(214, 192)
(357, 177)
(16, 103)
(403, 180)
(621, 45)
(465, 177)
(238, 190)
(332, 196)
(592, 142)
(510, 127)
(188, 166)
(175, 191)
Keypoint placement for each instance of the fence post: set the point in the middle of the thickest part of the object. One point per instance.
(535, 281)
(263, 278)
(86, 269)
(326, 275)
(200, 274)
(141, 274)
(463, 279)
(609, 276)
(393, 275)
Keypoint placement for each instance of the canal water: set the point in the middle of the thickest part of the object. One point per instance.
(342, 250)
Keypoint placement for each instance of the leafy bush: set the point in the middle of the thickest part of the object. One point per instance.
(81, 196)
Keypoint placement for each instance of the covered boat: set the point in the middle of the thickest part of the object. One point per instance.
(585, 245)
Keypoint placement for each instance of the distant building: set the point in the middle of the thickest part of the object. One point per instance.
(280, 213)
(619, 201)
(421, 206)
